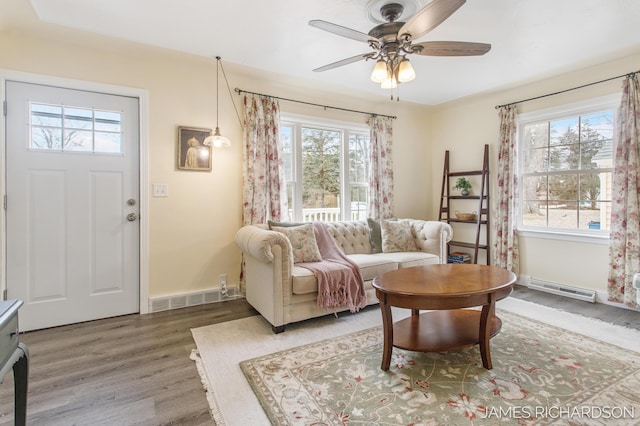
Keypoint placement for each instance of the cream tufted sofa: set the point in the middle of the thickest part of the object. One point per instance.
(284, 293)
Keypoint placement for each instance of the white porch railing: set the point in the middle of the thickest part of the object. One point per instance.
(328, 215)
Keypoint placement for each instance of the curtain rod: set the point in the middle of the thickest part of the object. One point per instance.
(318, 105)
(568, 90)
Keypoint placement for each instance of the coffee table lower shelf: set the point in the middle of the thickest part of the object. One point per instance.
(437, 331)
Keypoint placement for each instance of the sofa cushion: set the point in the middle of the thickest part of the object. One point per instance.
(397, 236)
(408, 259)
(372, 265)
(303, 281)
(303, 242)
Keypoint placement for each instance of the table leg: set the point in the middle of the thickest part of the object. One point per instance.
(21, 377)
(387, 326)
(488, 311)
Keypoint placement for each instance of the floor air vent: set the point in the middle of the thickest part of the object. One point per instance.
(559, 289)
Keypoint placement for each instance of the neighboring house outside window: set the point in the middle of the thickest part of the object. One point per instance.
(326, 167)
(565, 169)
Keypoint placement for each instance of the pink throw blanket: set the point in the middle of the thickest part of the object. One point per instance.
(339, 280)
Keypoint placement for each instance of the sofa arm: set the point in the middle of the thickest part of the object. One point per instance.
(259, 242)
(432, 236)
(268, 262)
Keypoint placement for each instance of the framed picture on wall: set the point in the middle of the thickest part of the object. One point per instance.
(193, 154)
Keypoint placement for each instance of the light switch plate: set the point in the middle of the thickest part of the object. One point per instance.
(160, 190)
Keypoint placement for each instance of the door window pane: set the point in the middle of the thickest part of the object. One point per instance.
(78, 140)
(73, 129)
(107, 121)
(78, 118)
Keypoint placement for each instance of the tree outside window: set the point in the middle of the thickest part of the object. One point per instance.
(327, 168)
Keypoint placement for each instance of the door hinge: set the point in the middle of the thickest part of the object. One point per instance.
(5, 295)
(4, 108)
(4, 202)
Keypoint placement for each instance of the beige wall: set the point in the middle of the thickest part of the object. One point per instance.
(191, 232)
(464, 126)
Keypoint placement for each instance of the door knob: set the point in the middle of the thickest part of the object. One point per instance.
(131, 217)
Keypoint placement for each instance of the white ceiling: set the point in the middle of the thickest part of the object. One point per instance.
(531, 39)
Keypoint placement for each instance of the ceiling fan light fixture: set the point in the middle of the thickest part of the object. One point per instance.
(405, 71)
(393, 39)
(380, 72)
(389, 83)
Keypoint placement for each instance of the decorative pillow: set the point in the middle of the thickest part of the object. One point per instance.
(284, 224)
(375, 236)
(303, 241)
(396, 236)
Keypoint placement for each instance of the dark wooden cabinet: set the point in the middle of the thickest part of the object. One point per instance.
(14, 355)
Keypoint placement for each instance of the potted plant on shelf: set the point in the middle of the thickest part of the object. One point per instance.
(463, 185)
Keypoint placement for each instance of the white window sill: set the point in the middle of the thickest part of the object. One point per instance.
(579, 237)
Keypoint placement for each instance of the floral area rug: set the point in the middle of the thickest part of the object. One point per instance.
(542, 375)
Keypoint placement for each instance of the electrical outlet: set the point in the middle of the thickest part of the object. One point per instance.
(222, 279)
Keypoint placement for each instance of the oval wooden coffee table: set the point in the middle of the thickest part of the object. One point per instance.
(445, 290)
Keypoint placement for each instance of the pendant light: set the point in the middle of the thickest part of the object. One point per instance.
(217, 140)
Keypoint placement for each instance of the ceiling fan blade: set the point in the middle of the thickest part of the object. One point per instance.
(345, 61)
(452, 48)
(341, 31)
(429, 17)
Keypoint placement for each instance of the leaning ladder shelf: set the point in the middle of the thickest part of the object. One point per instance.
(481, 221)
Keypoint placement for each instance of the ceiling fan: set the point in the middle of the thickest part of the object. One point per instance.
(391, 41)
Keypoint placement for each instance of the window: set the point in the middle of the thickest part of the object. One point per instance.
(63, 128)
(327, 167)
(566, 164)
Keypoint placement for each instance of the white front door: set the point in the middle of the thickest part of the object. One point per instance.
(72, 203)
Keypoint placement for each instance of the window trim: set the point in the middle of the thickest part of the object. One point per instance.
(608, 102)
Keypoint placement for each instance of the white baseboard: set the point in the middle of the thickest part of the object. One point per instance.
(557, 288)
(602, 297)
(593, 296)
(176, 301)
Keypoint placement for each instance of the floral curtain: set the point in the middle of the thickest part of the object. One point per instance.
(625, 210)
(381, 168)
(264, 188)
(506, 254)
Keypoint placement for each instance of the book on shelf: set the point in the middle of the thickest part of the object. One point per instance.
(459, 257)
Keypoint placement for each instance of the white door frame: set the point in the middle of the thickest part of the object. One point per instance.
(88, 86)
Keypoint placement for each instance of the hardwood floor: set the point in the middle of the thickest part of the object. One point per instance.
(607, 313)
(135, 369)
(127, 370)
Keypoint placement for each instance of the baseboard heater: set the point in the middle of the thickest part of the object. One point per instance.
(157, 304)
(556, 288)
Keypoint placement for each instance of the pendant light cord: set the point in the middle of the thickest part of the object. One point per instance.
(217, 89)
(224, 74)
